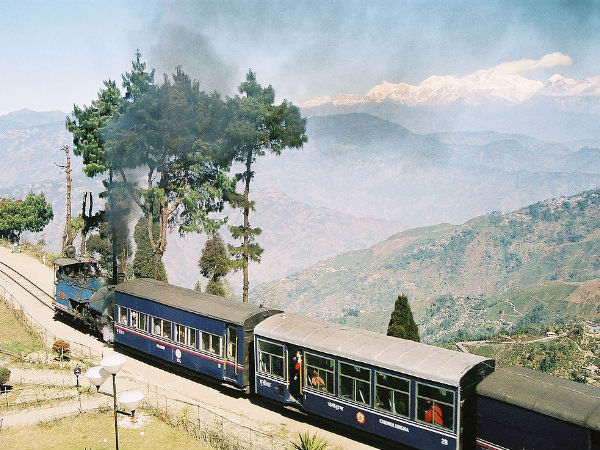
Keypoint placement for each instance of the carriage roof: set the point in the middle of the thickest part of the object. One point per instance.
(62, 262)
(566, 400)
(400, 355)
(200, 303)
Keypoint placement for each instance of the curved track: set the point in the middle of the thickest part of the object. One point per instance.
(37, 292)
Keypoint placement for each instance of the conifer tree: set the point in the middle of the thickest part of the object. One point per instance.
(172, 133)
(88, 126)
(143, 261)
(257, 125)
(214, 264)
(402, 323)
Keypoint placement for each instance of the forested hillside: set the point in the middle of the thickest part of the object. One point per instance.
(494, 271)
(358, 180)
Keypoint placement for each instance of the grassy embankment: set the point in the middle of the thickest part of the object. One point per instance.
(96, 431)
(15, 338)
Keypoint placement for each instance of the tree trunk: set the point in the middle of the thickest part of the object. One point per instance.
(84, 218)
(157, 261)
(112, 227)
(246, 257)
(67, 238)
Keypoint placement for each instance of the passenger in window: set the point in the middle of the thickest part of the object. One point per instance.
(317, 382)
(433, 414)
(157, 329)
(382, 400)
(298, 365)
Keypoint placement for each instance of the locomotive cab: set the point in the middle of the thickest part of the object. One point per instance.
(76, 280)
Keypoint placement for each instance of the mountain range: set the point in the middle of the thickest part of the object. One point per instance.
(359, 180)
(496, 271)
(517, 96)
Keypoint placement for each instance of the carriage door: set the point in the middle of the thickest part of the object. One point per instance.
(231, 370)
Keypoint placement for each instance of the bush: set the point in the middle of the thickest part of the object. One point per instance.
(61, 348)
(307, 441)
(4, 375)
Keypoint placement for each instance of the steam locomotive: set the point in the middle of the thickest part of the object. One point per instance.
(408, 393)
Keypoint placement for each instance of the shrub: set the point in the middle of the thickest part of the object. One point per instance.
(4, 375)
(307, 441)
(61, 348)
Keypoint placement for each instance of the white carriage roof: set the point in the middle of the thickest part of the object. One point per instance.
(400, 355)
(193, 301)
(546, 394)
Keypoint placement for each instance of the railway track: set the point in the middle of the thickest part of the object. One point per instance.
(26, 284)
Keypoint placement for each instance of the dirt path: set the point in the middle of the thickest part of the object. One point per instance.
(70, 407)
(140, 374)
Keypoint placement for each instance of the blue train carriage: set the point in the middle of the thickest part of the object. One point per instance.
(523, 409)
(415, 394)
(198, 331)
(76, 279)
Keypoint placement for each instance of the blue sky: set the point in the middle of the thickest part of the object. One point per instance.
(56, 53)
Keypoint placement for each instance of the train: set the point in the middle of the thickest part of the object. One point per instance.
(410, 394)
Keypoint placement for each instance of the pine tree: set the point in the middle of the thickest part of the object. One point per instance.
(143, 262)
(402, 323)
(172, 134)
(215, 264)
(258, 125)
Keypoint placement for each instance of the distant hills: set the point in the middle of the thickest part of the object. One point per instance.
(358, 180)
(30, 144)
(494, 271)
(26, 118)
(367, 167)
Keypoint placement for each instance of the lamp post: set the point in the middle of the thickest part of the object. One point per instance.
(77, 372)
(110, 365)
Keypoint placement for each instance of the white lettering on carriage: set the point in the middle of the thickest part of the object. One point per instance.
(397, 426)
(265, 383)
(335, 406)
(162, 347)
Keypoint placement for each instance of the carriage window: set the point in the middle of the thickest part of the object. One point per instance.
(161, 327)
(392, 394)
(435, 406)
(211, 343)
(355, 383)
(156, 326)
(134, 318)
(122, 314)
(166, 329)
(270, 358)
(185, 335)
(142, 321)
(318, 372)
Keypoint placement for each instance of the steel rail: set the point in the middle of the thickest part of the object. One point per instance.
(3, 270)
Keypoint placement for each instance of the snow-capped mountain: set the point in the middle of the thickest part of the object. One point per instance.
(506, 83)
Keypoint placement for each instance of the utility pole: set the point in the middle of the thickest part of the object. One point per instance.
(66, 241)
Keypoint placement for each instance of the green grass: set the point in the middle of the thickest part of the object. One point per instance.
(15, 338)
(96, 431)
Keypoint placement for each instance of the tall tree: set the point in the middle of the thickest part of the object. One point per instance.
(402, 323)
(88, 126)
(173, 134)
(258, 126)
(214, 264)
(143, 261)
(16, 216)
